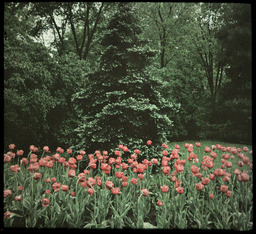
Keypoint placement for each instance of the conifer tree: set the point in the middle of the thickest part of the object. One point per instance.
(122, 103)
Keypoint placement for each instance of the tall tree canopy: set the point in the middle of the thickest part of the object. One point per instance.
(95, 74)
(122, 102)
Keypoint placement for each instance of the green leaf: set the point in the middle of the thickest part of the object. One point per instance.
(148, 225)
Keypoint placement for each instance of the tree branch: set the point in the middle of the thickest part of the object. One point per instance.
(90, 35)
(73, 27)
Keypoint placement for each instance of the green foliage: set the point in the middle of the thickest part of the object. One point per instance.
(122, 100)
(37, 91)
(94, 73)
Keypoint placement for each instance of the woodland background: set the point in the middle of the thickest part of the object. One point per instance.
(95, 74)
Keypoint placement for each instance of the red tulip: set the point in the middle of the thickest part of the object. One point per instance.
(165, 153)
(17, 198)
(82, 152)
(198, 144)
(164, 163)
(149, 142)
(228, 193)
(7, 158)
(111, 161)
(228, 164)
(65, 188)
(45, 202)
(7, 214)
(11, 146)
(164, 188)
(133, 181)
(205, 181)
(245, 149)
(207, 149)
(244, 177)
(226, 178)
(91, 182)
(125, 149)
(237, 171)
(194, 169)
(72, 161)
(223, 149)
(79, 157)
(15, 168)
(145, 192)
(179, 190)
(224, 188)
(72, 194)
(124, 183)
(154, 161)
(134, 156)
(164, 145)
(136, 151)
(47, 180)
(90, 191)
(166, 170)
(141, 176)
(33, 148)
(120, 146)
(221, 172)
(199, 186)
(71, 173)
(60, 150)
(47, 191)
(212, 177)
(119, 174)
(69, 151)
(37, 176)
(56, 186)
(7, 193)
(46, 149)
(179, 168)
(19, 152)
(174, 178)
(61, 160)
(140, 168)
(159, 203)
(109, 184)
(115, 190)
(125, 166)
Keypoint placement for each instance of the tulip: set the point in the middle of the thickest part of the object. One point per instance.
(165, 146)
(145, 192)
(198, 144)
(149, 142)
(228, 193)
(224, 188)
(194, 169)
(115, 190)
(37, 176)
(179, 190)
(199, 186)
(109, 184)
(119, 174)
(159, 203)
(133, 181)
(45, 202)
(65, 188)
(205, 181)
(164, 188)
(90, 191)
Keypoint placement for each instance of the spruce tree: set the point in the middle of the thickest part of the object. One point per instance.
(122, 103)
